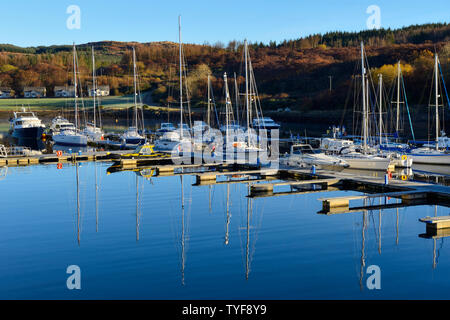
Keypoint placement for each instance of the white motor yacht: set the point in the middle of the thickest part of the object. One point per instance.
(26, 125)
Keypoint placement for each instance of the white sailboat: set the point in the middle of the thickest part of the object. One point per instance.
(93, 132)
(243, 144)
(363, 158)
(71, 136)
(434, 155)
(132, 136)
(398, 159)
(303, 155)
(180, 139)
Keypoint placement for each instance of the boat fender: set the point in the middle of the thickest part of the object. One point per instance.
(389, 174)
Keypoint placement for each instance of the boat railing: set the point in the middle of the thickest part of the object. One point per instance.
(3, 151)
(17, 151)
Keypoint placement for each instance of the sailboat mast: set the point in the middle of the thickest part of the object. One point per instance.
(135, 89)
(381, 106)
(398, 98)
(94, 93)
(363, 73)
(436, 89)
(246, 89)
(181, 78)
(237, 98)
(209, 101)
(75, 85)
(227, 104)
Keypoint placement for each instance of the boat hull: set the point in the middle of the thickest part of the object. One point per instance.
(70, 140)
(135, 141)
(439, 159)
(368, 164)
(28, 133)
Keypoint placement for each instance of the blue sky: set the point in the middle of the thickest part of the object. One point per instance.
(43, 22)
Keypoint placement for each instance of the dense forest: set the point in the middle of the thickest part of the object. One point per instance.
(292, 73)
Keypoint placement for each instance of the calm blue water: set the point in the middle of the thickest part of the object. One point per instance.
(165, 252)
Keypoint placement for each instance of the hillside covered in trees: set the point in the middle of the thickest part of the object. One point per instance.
(293, 73)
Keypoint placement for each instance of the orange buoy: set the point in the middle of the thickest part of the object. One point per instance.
(59, 153)
(59, 166)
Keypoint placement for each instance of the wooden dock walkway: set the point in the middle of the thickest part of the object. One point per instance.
(262, 184)
(434, 223)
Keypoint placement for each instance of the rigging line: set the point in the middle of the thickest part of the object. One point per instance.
(443, 83)
(346, 101)
(407, 108)
(215, 108)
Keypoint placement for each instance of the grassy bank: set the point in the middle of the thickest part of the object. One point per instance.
(52, 104)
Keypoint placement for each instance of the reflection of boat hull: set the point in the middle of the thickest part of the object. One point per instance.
(33, 144)
(28, 133)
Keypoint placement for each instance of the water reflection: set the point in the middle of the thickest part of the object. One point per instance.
(436, 234)
(71, 149)
(294, 243)
(33, 144)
